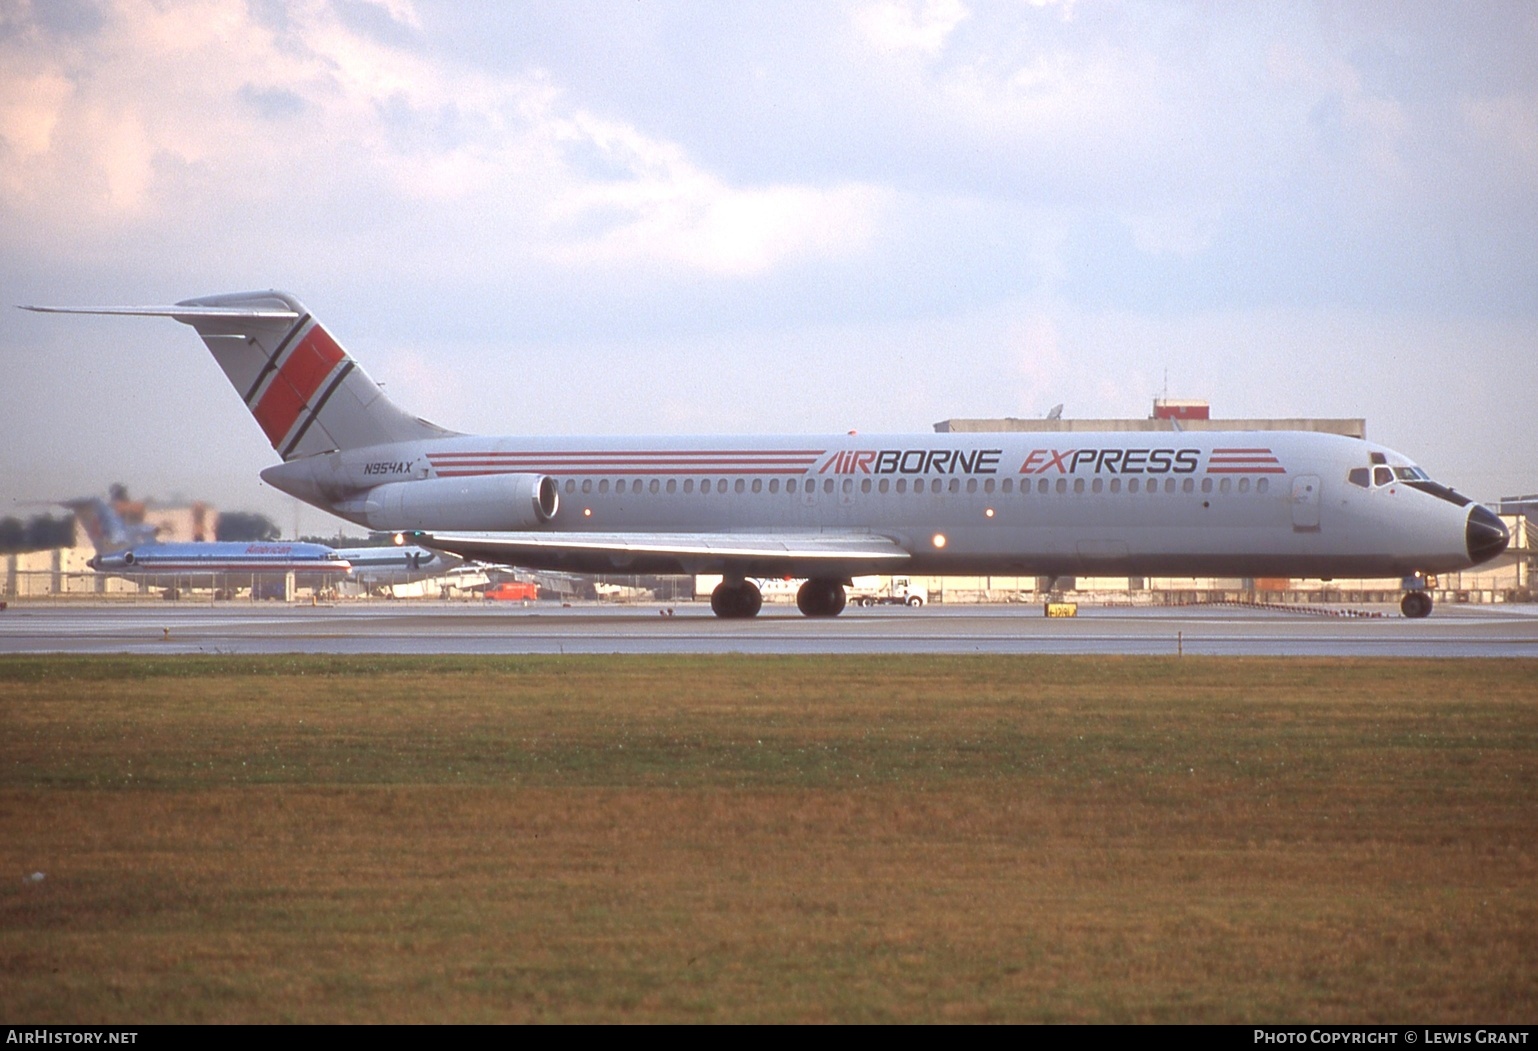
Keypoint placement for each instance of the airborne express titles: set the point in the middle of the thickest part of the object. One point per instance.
(1041, 461)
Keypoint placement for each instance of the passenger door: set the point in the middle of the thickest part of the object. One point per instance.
(1305, 503)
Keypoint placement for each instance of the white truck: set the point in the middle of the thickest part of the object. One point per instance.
(886, 591)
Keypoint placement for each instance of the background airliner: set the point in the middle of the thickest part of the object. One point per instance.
(133, 551)
(213, 564)
(828, 508)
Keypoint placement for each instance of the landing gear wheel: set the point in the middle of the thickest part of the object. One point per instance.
(736, 601)
(1415, 604)
(821, 598)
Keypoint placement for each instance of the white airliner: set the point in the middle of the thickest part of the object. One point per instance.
(1258, 503)
(379, 567)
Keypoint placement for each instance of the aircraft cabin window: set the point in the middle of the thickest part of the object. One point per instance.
(1098, 485)
(848, 485)
(721, 486)
(790, 485)
(672, 485)
(884, 485)
(1244, 485)
(1132, 484)
(971, 485)
(918, 485)
(688, 485)
(1041, 485)
(655, 486)
(1188, 486)
(571, 484)
(1062, 485)
(1008, 486)
(956, 485)
(827, 486)
(1078, 485)
(1262, 485)
(603, 486)
(988, 485)
(1169, 485)
(902, 485)
(1225, 485)
(758, 485)
(587, 485)
(865, 485)
(1206, 485)
(1115, 485)
(774, 485)
(741, 486)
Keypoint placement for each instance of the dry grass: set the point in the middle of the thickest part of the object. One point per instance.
(325, 839)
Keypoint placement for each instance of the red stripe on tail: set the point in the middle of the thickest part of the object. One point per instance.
(290, 390)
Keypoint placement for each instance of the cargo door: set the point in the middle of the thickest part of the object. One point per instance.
(1305, 503)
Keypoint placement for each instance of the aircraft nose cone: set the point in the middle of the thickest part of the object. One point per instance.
(1486, 534)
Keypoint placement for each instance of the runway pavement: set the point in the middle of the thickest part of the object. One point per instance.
(441, 628)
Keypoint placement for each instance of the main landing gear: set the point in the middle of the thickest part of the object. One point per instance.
(818, 597)
(821, 597)
(1415, 604)
(736, 601)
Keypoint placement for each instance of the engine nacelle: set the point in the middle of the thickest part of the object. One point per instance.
(489, 503)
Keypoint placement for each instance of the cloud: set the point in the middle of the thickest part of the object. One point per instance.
(173, 117)
(923, 26)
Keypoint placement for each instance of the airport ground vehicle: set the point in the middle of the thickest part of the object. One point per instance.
(513, 591)
(886, 591)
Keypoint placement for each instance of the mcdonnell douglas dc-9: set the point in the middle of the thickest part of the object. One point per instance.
(1252, 503)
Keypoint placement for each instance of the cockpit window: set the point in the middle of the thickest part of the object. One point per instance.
(1411, 474)
(1382, 476)
(1359, 476)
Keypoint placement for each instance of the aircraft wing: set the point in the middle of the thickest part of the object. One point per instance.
(752, 554)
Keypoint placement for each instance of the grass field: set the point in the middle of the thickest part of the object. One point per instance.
(768, 839)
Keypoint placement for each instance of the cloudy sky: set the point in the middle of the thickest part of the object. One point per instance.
(649, 217)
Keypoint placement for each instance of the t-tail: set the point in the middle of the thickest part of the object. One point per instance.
(305, 392)
(105, 527)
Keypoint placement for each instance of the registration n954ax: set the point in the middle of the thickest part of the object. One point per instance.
(1258, 503)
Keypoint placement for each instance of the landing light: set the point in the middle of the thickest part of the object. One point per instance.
(587, 512)
(938, 540)
(400, 538)
(989, 512)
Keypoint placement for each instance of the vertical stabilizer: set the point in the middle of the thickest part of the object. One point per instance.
(305, 392)
(106, 528)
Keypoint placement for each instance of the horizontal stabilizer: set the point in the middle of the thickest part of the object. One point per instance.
(178, 312)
